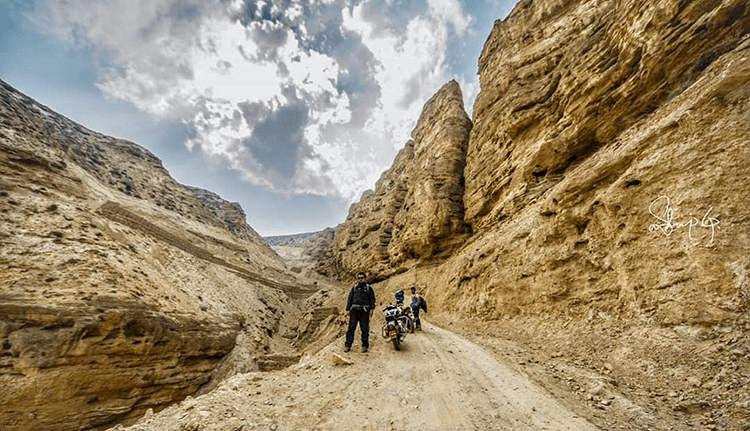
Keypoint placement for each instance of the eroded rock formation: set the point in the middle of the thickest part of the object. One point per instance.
(75, 366)
(605, 169)
(596, 123)
(415, 213)
(605, 182)
(120, 289)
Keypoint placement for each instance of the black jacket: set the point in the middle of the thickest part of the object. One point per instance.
(361, 297)
(419, 303)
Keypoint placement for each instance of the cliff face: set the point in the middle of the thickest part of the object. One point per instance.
(605, 170)
(562, 81)
(120, 289)
(605, 166)
(415, 213)
(603, 189)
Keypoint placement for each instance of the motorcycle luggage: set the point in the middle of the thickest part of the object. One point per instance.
(391, 314)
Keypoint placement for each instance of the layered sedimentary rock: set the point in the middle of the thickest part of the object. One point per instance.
(415, 213)
(120, 289)
(74, 366)
(606, 169)
(606, 164)
(307, 253)
(561, 81)
(606, 177)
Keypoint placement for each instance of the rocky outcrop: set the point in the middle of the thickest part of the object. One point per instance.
(86, 366)
(603, 171)
(120, 289)
(116, 164)
(605, 181)
(320, 256)
(562, 81)
(309, 253)
(294, 240)
(415, 213)
(230, 214)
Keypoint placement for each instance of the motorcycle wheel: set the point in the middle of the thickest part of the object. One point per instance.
(396, 344)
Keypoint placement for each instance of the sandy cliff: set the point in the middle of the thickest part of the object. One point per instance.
(596, 123)
(606, 164)
(600, 208)
(120, 289)
(415, 213)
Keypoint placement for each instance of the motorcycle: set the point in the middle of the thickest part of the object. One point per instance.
(397, 323)
(408, 313)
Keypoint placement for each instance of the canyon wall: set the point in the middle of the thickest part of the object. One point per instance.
(602, 197)
(621, 130)
(120, 289)
(605, 171)
(415, 213)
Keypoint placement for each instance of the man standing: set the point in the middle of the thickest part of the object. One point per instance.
(417, 302)
(360, 304)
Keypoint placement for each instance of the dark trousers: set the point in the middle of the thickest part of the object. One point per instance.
(416, 316)
(363, 318)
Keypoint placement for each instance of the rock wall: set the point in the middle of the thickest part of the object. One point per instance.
(605, 170)
(604, 187)
(415, 213)
(117, 164)
(120, 289)
(562, 80)
(80, 367)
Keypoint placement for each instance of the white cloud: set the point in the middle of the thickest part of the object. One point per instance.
(411, 65)
(452, 12)
(343, 87)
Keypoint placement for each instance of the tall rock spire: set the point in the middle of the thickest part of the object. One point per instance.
(415, 214)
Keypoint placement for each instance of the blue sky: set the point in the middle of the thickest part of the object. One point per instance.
(292, 108)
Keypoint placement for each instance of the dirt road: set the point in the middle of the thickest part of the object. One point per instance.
(437, 381)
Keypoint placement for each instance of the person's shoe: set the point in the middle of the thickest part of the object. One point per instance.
(347, 348)
(364, 350)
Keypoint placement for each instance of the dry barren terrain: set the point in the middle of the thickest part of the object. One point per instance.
(437, 381)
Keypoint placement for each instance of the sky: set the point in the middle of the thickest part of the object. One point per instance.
(292, 108)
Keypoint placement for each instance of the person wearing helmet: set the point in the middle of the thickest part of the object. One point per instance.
(399, 296)
(359, 305)
(417, 302)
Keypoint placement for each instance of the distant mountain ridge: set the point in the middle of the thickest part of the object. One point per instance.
(306, 251)
(295, 239)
